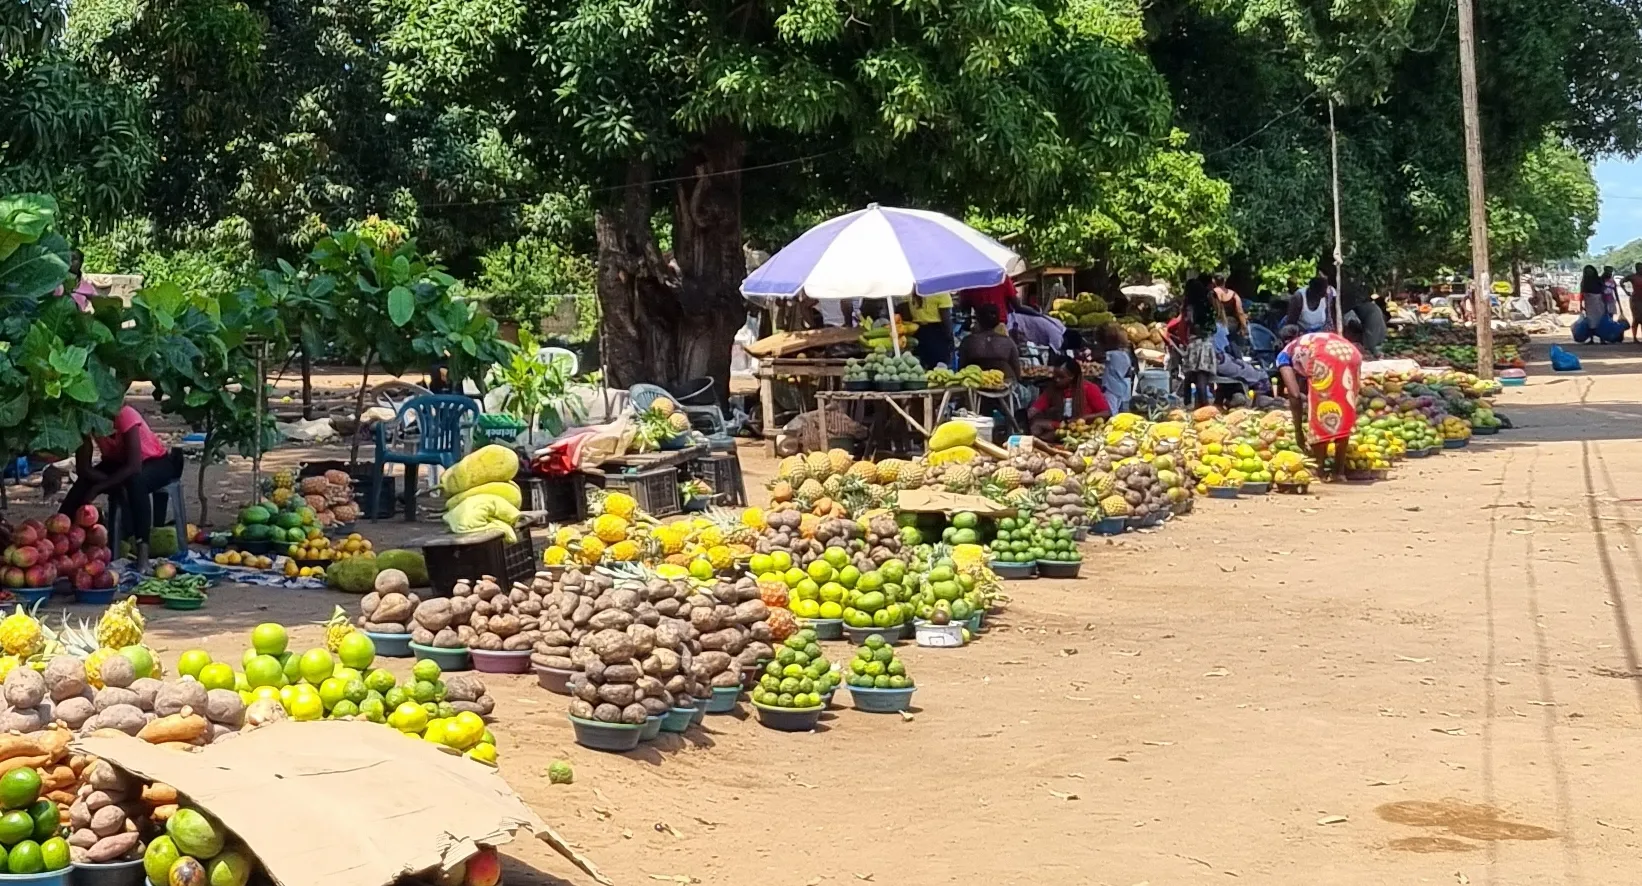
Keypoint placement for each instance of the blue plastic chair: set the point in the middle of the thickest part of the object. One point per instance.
(444, 423)
(1264, 344)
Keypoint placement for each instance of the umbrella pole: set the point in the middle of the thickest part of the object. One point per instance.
(894, 330)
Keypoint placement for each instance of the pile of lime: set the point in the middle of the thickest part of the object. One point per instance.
(1014, 541)
(798, 676)
(876, 666)
(963, 530)
(1053, 541)
(30, 829)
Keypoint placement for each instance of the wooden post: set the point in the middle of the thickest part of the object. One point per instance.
(1482, 286)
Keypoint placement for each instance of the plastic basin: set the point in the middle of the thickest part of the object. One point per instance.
(95, 598)
(700, 714)
(53, 878)
(974, 623)
(1107, 526)
(447, 659)
(1223, 491)
(724, 699)
(1013, 571)
(947, 636)
(606, 736)
(880, 701)
(1256, 488)
(1513, 382)
(825, 628)
(1418, 453)
(1484, 432)
(31, 596)
(1293, 488)
(391, 645)
(118, 873)
(650, 729)
(554, 680)
(182, 604)
(1455, 444)
(678, 719)
(891, 634)
(1059, 568)
(491, 661)
(789, 719)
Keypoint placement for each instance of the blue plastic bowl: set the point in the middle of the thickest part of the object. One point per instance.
(1513, 382)
(1110, 526)
(701, 712)
(390, 645)
(891, 634)
(1456, 444)
(789, 719)
(95, 598)
(650, 729)
(1013, 571)
(446, 659)
(1223, 491)
(1256, 488)
(724, 699)
(48, 878)
(677, 719)
(881, 701)
(974, 623)
(606, 736)
(31, 596)
(1418, 453)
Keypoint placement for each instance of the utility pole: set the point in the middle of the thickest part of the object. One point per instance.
(1339, 252)
(1482, 284)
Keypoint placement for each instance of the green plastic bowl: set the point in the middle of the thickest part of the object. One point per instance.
(678, 719)
(825, 628)
(891, 634)
(789, 719)
(650, 729)
(184, 604)
(616, 737)
(446, 659)
(391, 645)
(724, 699)
(880, 701)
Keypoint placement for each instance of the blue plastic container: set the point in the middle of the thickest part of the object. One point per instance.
(119, 873)
(1456, 444)
(390, 645)
(650, 729)
(616, 737)
(95, 598)
(678, 719)
(446, 659)
(48, 878)
(1013, 571)
(1109, 526)
(880, 701)
(1224, 491)
(724, 699)
(31, 596)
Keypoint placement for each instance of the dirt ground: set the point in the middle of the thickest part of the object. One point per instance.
(1431, 680)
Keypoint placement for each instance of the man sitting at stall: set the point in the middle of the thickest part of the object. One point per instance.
(1068, 397)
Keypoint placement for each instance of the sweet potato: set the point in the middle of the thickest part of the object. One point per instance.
(58, 778)
(63, 799)
(108, 821)
(19, 762)
(161, 813)
(83, 838)
(177, 727)
(159, 794)
(112, 848)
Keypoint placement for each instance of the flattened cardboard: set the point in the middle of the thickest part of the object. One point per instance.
(934, 501)
(340, 802)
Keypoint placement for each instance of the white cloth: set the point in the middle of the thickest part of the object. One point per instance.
(832, 310)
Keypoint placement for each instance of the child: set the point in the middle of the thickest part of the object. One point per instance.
(1117, 381)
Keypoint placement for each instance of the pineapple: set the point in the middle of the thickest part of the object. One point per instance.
(609, 527)
(662, 407)
(555, 555)
(865, 471)
(811, 490)
(888, 469)
(818, 464)
(565, 536)
(1007, 477)
(1053, 477)
(720, 557)
(834, 485)
(620, 504)
(94, 665)
(337, 627)
(911, 475)
(959, 477)
(121, 626)
(591, 550)
(678, 423)
(672, 537)
(1114, 506)
(787, 466)
(20, 633)
(283, 480)
(839, 460)
(624, 551)
(753, 518)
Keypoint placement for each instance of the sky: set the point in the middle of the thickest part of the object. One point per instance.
(1619, 181)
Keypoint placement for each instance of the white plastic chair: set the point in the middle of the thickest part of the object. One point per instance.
(550, 355)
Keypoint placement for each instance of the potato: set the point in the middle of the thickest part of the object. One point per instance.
(486, 588)
(610, 619)
(607, 713)
(163, 812)
(556, 662)
(626, 672)
(102, 776)
(126, 718)
(391, 581)
(611, 646)
(656, 706)
(117, 670)
(583, 613)
(112, 848)
(482, 706)
(661, 663)
(173, 697)
(393, 607)
(705, 620)
(667, 608)
(505, 625)
(216, 732)
(760, 631)
(466, 636)
(581, 709)
(634, 714)
(107, 821)
(83, 837)
(619, 694)
(447, 639)
(461, 608)
(483, 609)
(65, 677)
(224, 706)
(463, 687)
(435, 614)
(708, 664)
(501, 605)
(22, 720)
(385, 627)
(147, 689)
(726, 679)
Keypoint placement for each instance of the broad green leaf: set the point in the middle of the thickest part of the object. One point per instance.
(401, 305)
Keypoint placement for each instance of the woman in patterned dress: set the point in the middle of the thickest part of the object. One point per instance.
(1332, 369)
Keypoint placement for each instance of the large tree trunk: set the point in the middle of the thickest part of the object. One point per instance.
(670, 321)
(307, 381)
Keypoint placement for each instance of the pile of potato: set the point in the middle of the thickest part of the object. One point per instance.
(479, 615)
(388, 608)
(157, 711)
(113, 814)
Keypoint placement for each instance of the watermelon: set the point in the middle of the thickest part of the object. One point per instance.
(287, 520)
(255, 514)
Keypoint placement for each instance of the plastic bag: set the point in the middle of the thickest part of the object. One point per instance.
(1610, 330)
(508, 492)
(483, 512)
(1581, 330)
(1563, 361)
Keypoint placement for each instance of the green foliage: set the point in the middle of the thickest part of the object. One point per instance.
(58, 376)
(395, 304)
(526, 280)
(204, 261)
(538, 391)
(33, 256)
(1548, 210)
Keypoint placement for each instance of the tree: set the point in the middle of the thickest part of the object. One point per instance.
(661, 108)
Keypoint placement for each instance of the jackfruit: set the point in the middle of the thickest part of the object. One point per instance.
(489, 464)
(950, 434)
(484, 512)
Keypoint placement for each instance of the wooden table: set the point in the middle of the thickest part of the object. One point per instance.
(934, 401)
(823, 373)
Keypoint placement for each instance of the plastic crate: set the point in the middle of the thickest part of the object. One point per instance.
(499, 428)
(655, 489)
(561, 499)
(450, 559)
(722, 472)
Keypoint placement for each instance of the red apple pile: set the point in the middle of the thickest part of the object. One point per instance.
(61, 547)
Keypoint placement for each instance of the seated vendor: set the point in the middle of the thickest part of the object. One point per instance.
(988, 348)
(1068, 397)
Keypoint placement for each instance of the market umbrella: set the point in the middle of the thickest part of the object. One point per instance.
(881, 252)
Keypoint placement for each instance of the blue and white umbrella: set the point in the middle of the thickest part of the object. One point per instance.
(880, 252)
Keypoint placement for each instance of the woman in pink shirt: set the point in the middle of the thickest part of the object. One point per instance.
(135, 463)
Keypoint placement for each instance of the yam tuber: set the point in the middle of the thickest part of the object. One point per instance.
(185, 727)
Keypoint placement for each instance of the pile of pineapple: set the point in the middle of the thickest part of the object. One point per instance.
(621, 532)
(26, 641)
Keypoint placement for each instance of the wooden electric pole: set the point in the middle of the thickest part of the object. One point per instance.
(1482, 285)
(1339, 251)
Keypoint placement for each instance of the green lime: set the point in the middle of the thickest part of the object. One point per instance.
(47, 822)
(15, 826)
(24, 858)
(54, 853)
(19, 788)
